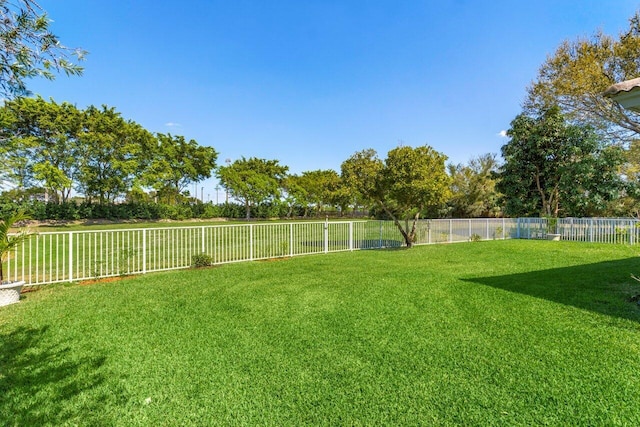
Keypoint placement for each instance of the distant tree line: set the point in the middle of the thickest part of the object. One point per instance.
(57, 148)
(61, 162)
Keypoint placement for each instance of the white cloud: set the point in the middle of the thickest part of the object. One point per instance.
(502, 133)
(173, 125)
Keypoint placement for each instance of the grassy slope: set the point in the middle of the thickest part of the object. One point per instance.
(490, 333)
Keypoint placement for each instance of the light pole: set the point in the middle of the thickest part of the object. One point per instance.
(217, 189)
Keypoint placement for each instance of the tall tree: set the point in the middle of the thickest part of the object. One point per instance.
(45, 136)
(473, 188)
(320, 187)
(359, 174)
(578, 73)
(408, 182)
(294, 194)
(629, 202)
(115, 152)
(555, 168)
(177, 163)
(29, 48)
(16, 154)
(253, 181)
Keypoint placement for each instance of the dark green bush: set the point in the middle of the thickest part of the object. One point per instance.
(201, 260)
(145, 210)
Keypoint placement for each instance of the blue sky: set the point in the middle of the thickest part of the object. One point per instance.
(311, 82)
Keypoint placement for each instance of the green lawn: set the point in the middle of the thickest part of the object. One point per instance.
(488, 333)
(98, 225)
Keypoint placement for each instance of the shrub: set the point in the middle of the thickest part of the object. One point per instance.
(498, 234)
(475, 237)
(210, 211)
(201, 260)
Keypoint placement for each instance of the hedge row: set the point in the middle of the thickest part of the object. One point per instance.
(146, 211)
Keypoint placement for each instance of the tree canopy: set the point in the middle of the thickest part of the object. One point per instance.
(176, 163)
(409, 181)
(553, 167)
(253, 180)
(97, 152)
(579, 71)
(320, 188)
(473, 188)
(115, 151)
(41, 140)
(29, 48)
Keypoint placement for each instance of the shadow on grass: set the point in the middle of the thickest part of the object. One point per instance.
(361, 243)
(603, 287)
(45, 384)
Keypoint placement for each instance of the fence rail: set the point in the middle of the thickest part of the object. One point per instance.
(596, 230)
(51, 257)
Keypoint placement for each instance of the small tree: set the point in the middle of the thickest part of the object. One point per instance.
(9, 242)
(405, 185)
(253, 181)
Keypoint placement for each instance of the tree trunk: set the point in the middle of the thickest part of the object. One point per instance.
(412, 233)
(407, 239)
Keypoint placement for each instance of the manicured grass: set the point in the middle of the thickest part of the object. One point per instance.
(97, 225)
(488, 333)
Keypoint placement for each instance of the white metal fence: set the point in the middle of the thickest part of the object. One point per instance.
(51, 257)
(597, 230)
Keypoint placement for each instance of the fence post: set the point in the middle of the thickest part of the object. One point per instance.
(351, 235)
(144, 250)
(202, 248)
(571, 230)
(71, 256)
(251, 242)
(450, 230)
(631, 232)
(429, 231)
(291, 239)
(326, 234)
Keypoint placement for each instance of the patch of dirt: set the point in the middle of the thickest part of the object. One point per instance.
(100, 222)
(103, 280)
(275, 259)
